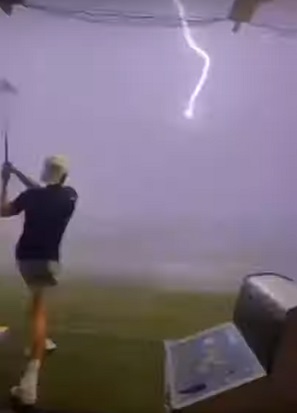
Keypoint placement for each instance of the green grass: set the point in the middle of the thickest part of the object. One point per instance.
(110, 356)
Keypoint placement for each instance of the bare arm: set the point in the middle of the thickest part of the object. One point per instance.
(6, 209)
(25, 180)
(18, 205)
(4, 204)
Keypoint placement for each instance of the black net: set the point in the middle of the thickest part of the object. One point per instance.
(165, 13)
(148, 12)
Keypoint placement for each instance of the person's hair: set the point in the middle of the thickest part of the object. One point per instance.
(63, 179)
(55, 170)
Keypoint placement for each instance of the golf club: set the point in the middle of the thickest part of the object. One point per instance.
(7, 90)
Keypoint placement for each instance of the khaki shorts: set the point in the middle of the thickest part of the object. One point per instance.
(39, 273)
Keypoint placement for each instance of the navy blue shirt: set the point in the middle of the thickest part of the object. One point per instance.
(47, 213)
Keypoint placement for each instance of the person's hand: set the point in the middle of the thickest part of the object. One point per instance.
(11, 167)
(6, 172)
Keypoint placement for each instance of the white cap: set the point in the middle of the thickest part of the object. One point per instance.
(55, 168)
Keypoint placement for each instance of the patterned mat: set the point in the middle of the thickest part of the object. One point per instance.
(208, 364)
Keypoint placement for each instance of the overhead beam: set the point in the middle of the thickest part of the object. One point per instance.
(8, 5)
(243, 11)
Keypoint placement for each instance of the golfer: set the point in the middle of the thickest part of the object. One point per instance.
(47, 212)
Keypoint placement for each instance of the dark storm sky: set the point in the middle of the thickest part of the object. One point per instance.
(162, 196)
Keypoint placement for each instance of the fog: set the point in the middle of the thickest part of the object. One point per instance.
(163, 199)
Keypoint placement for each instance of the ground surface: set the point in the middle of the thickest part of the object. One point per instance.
(110, 356)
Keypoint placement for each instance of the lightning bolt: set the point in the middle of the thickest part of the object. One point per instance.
(189, 111)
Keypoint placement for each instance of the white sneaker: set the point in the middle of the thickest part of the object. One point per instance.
(50, 346)
(26, 392)
(27, 397)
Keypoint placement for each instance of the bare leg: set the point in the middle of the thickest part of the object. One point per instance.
(27, 389)
(38, 325)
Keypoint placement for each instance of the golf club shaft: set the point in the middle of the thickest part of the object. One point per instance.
(6, 154)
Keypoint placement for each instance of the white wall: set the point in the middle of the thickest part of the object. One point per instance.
(161, 197)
